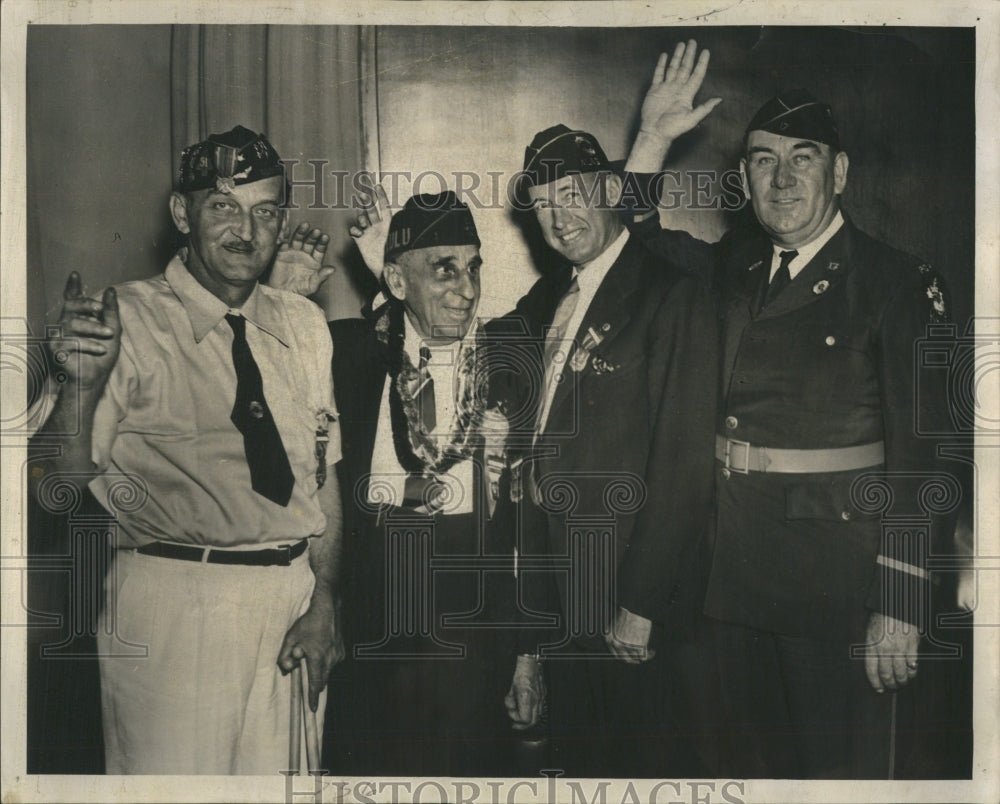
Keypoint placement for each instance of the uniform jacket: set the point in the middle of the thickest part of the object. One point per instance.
(829, 363)
(627, 445)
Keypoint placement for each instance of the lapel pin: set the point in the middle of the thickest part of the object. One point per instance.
(820, 287)
(756, 265)
(833, 266)
(605, 326)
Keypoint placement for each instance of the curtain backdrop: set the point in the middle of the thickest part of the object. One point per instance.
(303, 86)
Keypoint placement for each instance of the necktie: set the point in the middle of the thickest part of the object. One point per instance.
(270, 473)
(425, 392)
(555, 341)
(781, 277)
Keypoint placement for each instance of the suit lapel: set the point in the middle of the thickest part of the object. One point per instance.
(608, 314)
(824, 272)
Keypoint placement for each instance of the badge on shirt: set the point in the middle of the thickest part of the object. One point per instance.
(323, 419)
(591, 341)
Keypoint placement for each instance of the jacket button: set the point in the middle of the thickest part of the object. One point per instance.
(731, 422)
(830, 340)
(725, 473)
(845, 515)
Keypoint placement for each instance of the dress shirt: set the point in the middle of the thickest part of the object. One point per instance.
(806, 252)
(386, 471)
(164, 416)
(589, 277)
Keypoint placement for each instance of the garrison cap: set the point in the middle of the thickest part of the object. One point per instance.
(797, 113)
(428, 220)
(560, 151)
(238, 156)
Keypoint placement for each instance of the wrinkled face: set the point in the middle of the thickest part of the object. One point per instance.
(232, 237)
(793, 185)
(577, 214)
(439, 286)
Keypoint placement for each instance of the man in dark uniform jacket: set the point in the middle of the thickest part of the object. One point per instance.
(426, 686)
(816, 440)
(612, 366)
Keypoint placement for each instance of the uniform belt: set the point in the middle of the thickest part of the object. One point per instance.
(270, 557)
(744, 457)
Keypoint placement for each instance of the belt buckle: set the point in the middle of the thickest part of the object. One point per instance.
(284, 555)
(730, 443)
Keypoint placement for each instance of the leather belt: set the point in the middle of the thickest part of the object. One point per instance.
(744, 457)
(270, 557)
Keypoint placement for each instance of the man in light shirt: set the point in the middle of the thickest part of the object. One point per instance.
(817, 613)
(198, 407)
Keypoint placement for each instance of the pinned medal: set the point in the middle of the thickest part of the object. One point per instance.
(580, 359)
(256, 410)
(601, 366)
(821, 287)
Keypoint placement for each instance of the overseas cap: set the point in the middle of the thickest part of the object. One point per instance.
(430, 219)
(560, 151)
(797, 113)
(239, 156)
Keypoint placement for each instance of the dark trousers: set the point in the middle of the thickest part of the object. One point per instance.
(421, 692)
(610, 719)
(800, 708)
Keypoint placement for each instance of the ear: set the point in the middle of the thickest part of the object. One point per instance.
(840, 165)
(743, 178)
(179, 212)
(395, 280)
(613, 189)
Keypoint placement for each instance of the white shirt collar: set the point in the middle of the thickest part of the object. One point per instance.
(809, 250)
(591, 274)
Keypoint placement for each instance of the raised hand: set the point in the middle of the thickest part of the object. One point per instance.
(668, 109)
(86, 344)
(371, 229)
(298, 267)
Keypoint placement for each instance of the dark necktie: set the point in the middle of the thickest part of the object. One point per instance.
(781, 277)
(270, 473)
(425, 392)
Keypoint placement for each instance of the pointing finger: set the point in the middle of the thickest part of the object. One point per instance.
(73, 286)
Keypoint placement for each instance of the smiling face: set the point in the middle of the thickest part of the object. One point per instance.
(793, 185)
(232, 237)
(439, 286)
(577, 214)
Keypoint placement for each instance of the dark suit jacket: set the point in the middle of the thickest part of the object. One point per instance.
(628, 441)
(830, 363)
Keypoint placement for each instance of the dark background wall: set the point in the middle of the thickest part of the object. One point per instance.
(470, 99)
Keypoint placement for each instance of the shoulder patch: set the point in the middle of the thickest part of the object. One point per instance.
(938, 308)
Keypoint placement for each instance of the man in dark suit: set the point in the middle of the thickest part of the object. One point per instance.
(611, 441)
(425, 685)
(818, 605)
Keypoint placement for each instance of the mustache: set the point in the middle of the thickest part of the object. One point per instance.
(240, 246)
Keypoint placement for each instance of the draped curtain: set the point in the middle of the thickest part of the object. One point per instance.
(305, 87)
